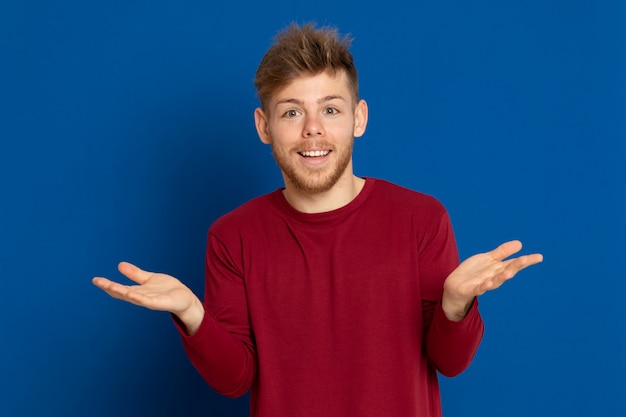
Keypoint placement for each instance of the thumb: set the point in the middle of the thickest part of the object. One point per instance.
(505, 250)
(134, 272)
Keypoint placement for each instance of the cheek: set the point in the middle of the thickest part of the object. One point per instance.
(284, 132)
(344, 132)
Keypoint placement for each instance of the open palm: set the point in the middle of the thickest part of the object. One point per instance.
(155, 291)
(488, 271)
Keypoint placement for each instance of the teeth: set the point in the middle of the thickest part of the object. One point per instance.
(314, 153)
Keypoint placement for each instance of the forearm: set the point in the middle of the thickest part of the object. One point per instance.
(451, 345)
(226, 363)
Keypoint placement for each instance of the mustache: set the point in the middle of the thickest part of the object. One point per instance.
(313, 146)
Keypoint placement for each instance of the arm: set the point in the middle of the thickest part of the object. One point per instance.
(449, 346)
(222, 350)
(225, 359)
(456, 327)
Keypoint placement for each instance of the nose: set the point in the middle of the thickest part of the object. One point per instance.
(312, 127)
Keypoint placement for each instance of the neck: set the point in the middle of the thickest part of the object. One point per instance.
(342, 193)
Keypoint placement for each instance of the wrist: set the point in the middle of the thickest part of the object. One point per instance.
(456, 308)
(192, 317)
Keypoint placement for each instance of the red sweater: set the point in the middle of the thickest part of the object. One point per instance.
(333, 314)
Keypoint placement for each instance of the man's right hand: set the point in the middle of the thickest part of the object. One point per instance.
(157, 292)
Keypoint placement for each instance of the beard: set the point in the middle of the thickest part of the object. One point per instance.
(314, 180)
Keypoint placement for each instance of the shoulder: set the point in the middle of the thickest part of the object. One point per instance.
(399, 198)
(246, 215)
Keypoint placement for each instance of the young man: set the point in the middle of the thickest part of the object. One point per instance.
(336, 295)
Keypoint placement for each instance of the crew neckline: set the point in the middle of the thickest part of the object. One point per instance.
(325, 216)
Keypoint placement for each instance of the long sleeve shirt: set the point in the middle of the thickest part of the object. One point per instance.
(333, 314)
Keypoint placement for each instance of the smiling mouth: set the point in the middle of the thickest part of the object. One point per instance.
(314, 154)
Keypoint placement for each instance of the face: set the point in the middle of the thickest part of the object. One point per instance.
(311, 125)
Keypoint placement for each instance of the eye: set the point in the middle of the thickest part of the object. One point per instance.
(290, 113)
(331, 110)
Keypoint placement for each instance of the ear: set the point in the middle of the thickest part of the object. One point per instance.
(360, 118)
(262, 126)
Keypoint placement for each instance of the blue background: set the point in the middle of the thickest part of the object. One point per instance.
(126, 128)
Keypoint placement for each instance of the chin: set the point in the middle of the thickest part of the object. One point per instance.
(314, 187)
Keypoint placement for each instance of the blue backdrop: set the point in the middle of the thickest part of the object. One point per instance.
(126, 128)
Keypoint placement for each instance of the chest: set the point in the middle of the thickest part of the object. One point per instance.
(357, 277)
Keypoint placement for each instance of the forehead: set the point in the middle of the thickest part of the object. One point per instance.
(307, 88)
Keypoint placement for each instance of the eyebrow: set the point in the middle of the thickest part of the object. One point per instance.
(300, 102)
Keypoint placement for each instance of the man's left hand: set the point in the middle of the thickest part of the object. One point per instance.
(481, 273)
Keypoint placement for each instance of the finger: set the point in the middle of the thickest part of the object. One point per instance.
(134, 272)
(520, 263)
(104, 283)
(487, 286)
(499, 277)
(505, 271)
(112, 288)
(494, 282)
(509, 269)
(123, 292)
(505, 250)
(100, 283)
